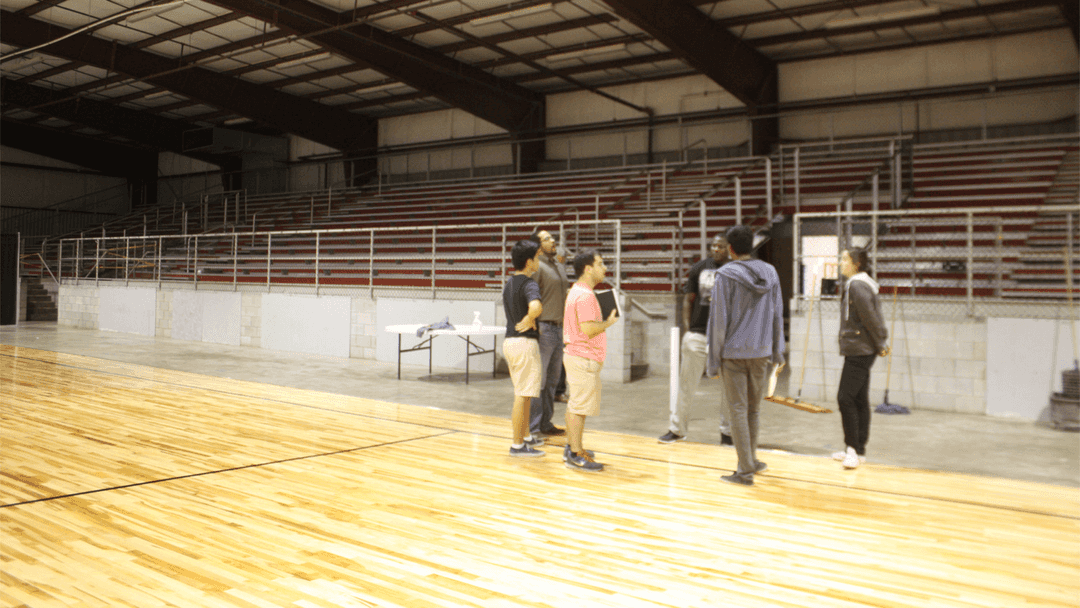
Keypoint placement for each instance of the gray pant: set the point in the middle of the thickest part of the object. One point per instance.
(691, 366)
(542, 408)
(745, 383)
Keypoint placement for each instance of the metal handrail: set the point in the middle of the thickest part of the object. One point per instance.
(724, 184)
(43, 263)
(190, 249)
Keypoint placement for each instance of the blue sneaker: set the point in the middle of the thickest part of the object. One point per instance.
(535, 442)
(583, 462)
(526, 451)
(566, 453)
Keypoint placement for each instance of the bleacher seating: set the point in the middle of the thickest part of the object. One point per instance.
(470, 242)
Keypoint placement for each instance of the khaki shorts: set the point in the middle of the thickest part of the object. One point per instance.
(523, 358)
(583, 381)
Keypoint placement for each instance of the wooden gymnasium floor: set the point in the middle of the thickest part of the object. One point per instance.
(125, 485)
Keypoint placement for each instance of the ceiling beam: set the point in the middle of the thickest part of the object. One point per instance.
(528, 32)
(323, 124)
(1071, 11)
(140, 127)
(911, 45)
(463, 86)
(109, 158)
(791, 12)
(963, 13)
(706, 46)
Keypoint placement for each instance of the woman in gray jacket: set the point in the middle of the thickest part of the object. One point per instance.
(862, 338)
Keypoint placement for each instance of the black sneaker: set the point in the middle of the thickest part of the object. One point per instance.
(554, 432)
(535, 442)
(670, 437)
(734, 478)
(726, 439)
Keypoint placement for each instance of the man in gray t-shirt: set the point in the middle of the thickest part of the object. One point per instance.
(551, 277)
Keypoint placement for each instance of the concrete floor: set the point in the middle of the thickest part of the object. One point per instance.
(961, 443)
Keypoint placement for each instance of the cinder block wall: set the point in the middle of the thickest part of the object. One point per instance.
(79, 307)
(937, 363)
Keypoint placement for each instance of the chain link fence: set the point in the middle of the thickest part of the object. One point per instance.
(949, 262)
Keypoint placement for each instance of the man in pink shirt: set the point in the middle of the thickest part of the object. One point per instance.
(586, 347)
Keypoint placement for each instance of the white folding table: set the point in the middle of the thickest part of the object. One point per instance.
(466, 333)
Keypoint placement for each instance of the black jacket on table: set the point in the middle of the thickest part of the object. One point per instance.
(862, 329)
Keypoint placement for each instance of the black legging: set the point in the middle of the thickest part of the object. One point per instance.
(854, 400)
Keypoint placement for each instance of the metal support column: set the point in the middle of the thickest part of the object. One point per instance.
(970, 262)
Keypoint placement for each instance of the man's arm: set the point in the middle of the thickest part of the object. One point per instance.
(690, 291)
(716, 334)
(687, 307)
(595, 328)
(529, 320)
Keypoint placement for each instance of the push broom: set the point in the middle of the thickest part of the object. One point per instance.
(797, 402)
(886, 407)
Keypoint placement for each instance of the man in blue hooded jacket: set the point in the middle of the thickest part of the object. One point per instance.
(746, 338)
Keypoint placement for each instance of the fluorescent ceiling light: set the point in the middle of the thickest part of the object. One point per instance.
(521, 12)
(868, 19)
(302, 60)
(152, 12)
(157, 94)
(596, 50)
(236, 121)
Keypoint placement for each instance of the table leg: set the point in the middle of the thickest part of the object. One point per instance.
(494, 355)
(468, 355)
(399, 356)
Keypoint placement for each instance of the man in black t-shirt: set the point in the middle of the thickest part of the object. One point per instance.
(698, 292)
(521, 348)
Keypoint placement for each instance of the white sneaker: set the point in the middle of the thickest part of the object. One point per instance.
(840, 456)
(851, 459)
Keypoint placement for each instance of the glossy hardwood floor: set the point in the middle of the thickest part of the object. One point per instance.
(124, 485)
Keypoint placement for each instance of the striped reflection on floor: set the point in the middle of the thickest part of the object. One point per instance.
(125, 485)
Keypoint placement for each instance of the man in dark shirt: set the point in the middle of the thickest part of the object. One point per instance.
(698, 290)
(551, 277)
(521, 304)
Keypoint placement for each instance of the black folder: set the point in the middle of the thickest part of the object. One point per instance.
(608, 301)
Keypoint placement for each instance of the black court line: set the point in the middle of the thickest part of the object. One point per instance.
(451, 431)
(215, 472)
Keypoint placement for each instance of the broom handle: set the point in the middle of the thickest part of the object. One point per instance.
(1072, 320)
(806, 343)
(892, 334)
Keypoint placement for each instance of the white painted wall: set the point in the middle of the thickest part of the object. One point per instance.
(667, 97)
(1005, 58)
(129, 310)
(1024, 361)
(306, 324)
(206, 316)
(436, 126)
